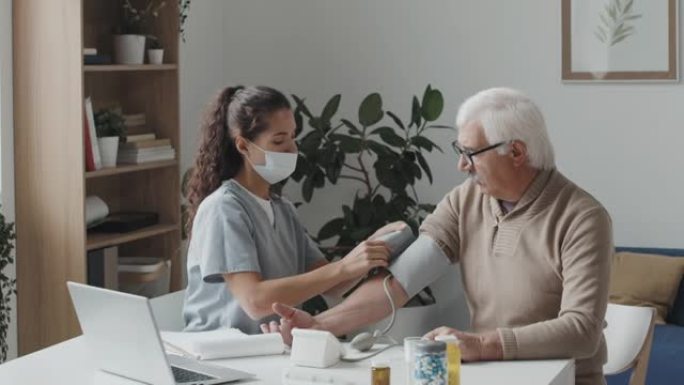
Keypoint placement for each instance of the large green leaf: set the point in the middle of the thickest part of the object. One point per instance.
(331, 229)
(347, 143)
(389, 136)
(364, 211)
(311, 142)
(299, 122)
(334, 167)
(317, 123)
(432, 106)
(307, 189)
(393, 139)
(318, 178)
(301, 106)
(359, 235)
(424, 164)
(389, 174)
(349, 219)
(370, 110)
(379, 148)
(331, 108)
(416, 118)
(352, 128)
(302, 168)
(396, 119)
(423, 142)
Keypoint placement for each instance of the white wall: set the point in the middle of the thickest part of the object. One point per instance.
(620, 142)
(7, 143)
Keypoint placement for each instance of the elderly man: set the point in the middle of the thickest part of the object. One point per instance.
(534, 248)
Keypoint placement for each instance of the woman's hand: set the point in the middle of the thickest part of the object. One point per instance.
(290, 318)
(366, 256)
(388, 228)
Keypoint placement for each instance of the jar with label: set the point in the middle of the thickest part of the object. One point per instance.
(409, 352)
(453, 358)
(380, 373)
(429, 363)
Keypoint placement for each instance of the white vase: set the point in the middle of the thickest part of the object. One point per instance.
(129, 49)
(155, 56)
(109, 147)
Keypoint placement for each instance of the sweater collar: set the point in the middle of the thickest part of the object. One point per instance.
(533, 191)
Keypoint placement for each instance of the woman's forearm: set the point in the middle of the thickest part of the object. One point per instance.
(257, 299)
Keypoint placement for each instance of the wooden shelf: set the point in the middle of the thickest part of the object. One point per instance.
(100, 240)
(44, 308)
(129, 67)
(132, 168)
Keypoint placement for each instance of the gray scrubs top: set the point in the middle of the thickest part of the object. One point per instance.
(231, 233)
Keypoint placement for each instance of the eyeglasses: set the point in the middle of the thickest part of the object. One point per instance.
(470, 154)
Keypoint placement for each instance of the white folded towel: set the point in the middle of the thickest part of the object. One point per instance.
(222, 343)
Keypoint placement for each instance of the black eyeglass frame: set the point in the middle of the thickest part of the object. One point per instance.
(470, 154)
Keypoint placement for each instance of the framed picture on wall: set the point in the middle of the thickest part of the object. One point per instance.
(619, 40)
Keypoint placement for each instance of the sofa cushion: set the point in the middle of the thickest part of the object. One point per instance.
(665, 365)
(646, 280)
(676, 315)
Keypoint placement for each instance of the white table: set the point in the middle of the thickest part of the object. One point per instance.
(69, 363)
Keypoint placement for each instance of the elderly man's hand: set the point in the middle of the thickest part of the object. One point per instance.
(290, 318)
(474, 347)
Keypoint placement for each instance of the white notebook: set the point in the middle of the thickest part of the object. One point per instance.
(222, 343)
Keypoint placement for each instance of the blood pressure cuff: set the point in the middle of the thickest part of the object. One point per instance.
(419, 265)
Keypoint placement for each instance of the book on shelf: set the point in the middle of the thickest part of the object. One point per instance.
(89, 51)
(135, 156)
(90, 121)
(134, 120)
(103, 265)
(154, 143)
(97, 59)
(126, 221)
(88, 150)
(138, 130)
(139, 137)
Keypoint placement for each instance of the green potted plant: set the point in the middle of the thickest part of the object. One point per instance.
(129, 42)
(110, 127)
(386, 161)
(155, 51)
(183, 12)
(384, 157)
(7, 284)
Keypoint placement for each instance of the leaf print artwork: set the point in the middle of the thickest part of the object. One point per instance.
(616, 22)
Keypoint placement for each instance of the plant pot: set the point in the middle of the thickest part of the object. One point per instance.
(155, 56)
(109, 148)
(129, 49)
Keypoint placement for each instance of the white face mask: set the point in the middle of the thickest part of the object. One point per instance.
(278, 165)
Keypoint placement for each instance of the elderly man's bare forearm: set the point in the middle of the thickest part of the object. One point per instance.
(366, 305)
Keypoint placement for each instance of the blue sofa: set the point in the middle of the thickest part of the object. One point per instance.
(666, 365)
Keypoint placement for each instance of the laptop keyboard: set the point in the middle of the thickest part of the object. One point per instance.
(183, 375)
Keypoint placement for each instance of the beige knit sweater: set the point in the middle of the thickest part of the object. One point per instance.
(538, 274)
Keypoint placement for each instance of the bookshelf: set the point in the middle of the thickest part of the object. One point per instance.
(51, 83)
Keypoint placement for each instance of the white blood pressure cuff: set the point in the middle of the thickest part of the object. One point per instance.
(419, 265)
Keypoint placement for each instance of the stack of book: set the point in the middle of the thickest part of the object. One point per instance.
(143, 148)
(135, 123)
(91, 57)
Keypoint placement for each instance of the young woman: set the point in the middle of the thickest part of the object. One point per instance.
(248, 249)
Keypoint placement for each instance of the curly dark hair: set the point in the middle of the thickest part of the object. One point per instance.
(235, 111)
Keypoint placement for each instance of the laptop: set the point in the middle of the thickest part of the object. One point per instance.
(122, 337)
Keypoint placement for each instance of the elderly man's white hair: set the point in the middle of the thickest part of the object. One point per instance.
(507, 114)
